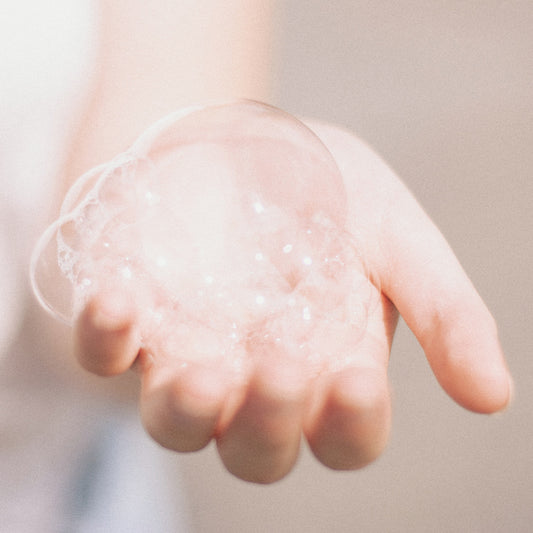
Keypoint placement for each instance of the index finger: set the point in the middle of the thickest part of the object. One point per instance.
(418, 271)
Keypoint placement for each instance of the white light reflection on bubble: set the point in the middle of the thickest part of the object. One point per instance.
(259, 208)
(287, 249)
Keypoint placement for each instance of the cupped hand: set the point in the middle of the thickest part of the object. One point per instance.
(345, 415)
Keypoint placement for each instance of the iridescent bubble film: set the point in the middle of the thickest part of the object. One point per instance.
(226, 225)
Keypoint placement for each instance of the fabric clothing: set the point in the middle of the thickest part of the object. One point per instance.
(69, 462)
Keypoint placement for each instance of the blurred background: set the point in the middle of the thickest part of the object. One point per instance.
(443, 90)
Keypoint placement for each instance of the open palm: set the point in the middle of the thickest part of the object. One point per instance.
(345, 415)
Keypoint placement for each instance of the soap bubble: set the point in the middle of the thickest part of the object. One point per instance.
(227, 226)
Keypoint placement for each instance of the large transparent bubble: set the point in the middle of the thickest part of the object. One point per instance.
(226, 225)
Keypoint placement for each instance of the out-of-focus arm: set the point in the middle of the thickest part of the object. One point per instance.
(155, 57)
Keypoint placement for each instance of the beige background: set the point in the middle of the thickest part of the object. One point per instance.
(443, 90)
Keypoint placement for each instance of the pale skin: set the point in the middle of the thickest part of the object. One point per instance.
(345, 416)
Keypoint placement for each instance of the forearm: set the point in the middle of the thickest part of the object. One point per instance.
(155, 57)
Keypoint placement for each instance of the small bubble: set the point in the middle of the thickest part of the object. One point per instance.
(151, 198)
(287, 249)
(127, 273)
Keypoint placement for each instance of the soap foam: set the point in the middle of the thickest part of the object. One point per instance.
(226, 224)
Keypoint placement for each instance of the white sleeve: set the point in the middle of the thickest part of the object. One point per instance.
(46, 58)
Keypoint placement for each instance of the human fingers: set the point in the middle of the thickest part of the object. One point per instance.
(181, 406)
(440, 305)
(261, 441)
(348, 422)
(419, 272)
(105, 335)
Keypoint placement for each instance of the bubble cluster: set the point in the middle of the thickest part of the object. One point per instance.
(226, 225)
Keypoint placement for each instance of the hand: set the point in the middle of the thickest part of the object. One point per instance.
(346, 415)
